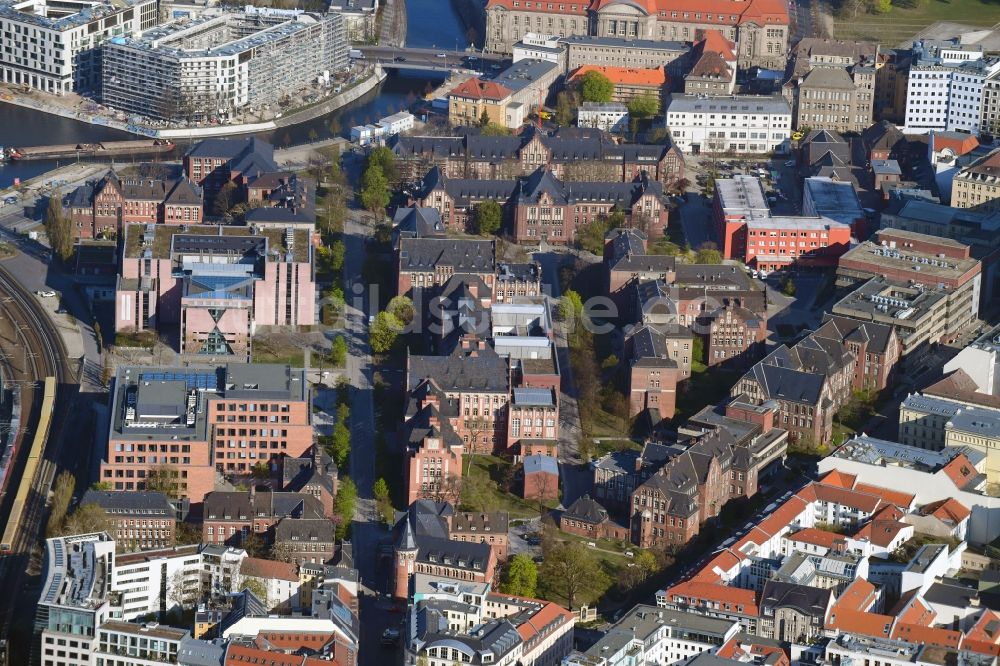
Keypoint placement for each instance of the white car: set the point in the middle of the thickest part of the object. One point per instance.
(442, 55)
(45, 293)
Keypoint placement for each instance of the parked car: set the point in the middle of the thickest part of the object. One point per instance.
(45, 293)
(10, 200)
(442, 55)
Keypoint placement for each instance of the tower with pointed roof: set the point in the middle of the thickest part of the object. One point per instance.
(406, 557)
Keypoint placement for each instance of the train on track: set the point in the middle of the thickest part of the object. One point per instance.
(9, 542)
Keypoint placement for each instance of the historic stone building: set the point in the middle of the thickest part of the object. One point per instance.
(759, 27)
(572, 154)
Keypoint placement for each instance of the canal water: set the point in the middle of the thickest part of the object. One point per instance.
(431, 24)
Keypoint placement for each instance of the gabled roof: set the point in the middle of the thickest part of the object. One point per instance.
(917, 633)
(461, 255)
(714, 41)
(840, 479)
(847, 329)
(480, 89)
(729, 598)
(849, 498)
(899, 498)
(586, 510)
(812, 601)
(710, 65)
(267, 569)
(816, 537)
(948, 510)
(961, 472)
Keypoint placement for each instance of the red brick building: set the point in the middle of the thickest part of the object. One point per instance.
(749, 232)
(572, 154)
(429, 263)
(541, 478)
(875, 346)
(315, 474)
(656, 362)
(587, 518)
(212, 163)
(736, 335)
(228, 517)
(110, 203)
(480, 527)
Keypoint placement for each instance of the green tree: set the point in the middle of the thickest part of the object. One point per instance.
(163, 479)
(383, 332)
(336, 251)
(645, 561)
(338, 352)
(788, 287)
(224, 199)
(484, 118)
(59, 228)
(62, 495)
(257, 587)
(487, 217)
(698, 349)
(708, 253)
(569, 569)
(883, 6)
(253, 544)
(521, 577)
(261, 470)
(313, 135)
(374, 190)
(644, 106)
(383, 158)
(383, 500)
(595, 87)
(570, 306)
(186, 533)
(347, 497)
(340, 447)
(495, 129)
(401, 307)
(590, 237)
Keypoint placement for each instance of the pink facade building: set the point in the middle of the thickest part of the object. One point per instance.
(195, 424)
(214, 284)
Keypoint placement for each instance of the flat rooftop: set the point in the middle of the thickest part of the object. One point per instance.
(63, 15)
(159, 241)
(154, 403)
(924, 266)
(890, 302)
(733, 104)
(881, 452)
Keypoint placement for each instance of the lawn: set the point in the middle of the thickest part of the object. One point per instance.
(268, 350)
(484, 492)
(610, 564)
(144, 339)
(908, 17)
(606, 446)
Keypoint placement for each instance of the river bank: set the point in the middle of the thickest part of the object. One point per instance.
(36, 102)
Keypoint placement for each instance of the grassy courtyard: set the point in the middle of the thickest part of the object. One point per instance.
(908, 17)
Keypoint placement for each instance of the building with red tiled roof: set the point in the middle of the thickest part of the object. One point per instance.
(984, 636)
(469, 100)
(814, 541)
(280, 579)
(949, 510)
(629, 82)
(761, 25)
(977, 186)
(962, 472)
(901, 499)
(945, 517)
(918, 633)
(914, 610)
(840, 479)
(714, 600)
(840, 506)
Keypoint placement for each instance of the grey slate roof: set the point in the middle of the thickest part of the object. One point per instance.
(462, 255)
(225, 505)
(305, 530)
(541, 464)
(586, 510)
(417, 221)
(134, 503)
(846, 328)
(461, 371)
(828, 77)
(811, 601)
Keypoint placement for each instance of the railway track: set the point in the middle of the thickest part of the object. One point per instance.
(31, 350)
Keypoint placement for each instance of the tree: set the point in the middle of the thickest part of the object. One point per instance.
(595, 87)
(253, 544)
(186, 533)
(62, 495)
(698, 349)
(788, 287)
(590, 237)
(347, 497)
(401, 307)
(646, 561)
(257, 587)
(570, 306)
(261, 471)
(567, 103)
(708, 253)
(59, 229)
(374, 190)
(338, 352)
(495, 129)
(341, 444)
(883, 6)
(487, 217)
(162, 479)
(644, 106)
(383, 332)
(281, 551)
(569, 569)
(87, 519)
(224, 199)
(313, 135)
(383, 501)
(484, 118)
(521, 576)
(385, 160)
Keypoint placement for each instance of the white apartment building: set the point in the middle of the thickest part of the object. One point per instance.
(158, 581)
(74, 598)
(651, 635)
(124, 644)
(944, 90)
(52, 47)
(218, 65)
(534, 46)
(746, 124)
(611, 117)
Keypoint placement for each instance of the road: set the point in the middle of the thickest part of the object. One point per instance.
(441, 59)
